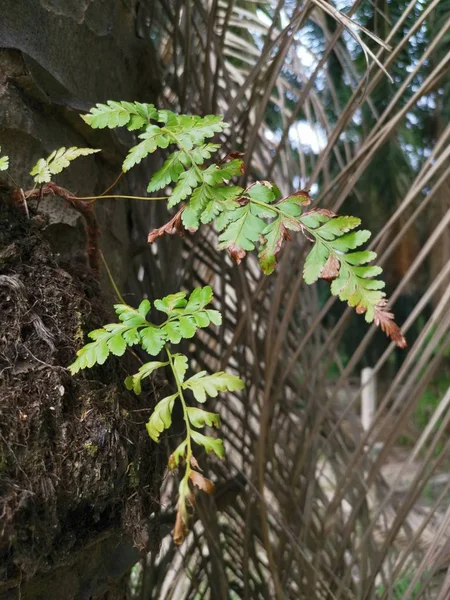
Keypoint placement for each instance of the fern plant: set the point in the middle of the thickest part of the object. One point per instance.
(247, 219)
(255, 217)
(184, 316)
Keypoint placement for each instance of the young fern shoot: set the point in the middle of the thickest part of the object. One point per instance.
(183, 317)
(250, 218)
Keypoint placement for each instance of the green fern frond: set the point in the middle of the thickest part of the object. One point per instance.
(133, 115)
(185, 315)
(57, 161)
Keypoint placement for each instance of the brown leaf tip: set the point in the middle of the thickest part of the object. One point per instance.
(202, 482)
(181, 528)
(236, 253)
(175, 225)
(330, 269)
(384, 319)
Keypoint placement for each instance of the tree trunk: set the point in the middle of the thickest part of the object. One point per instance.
(79, 476)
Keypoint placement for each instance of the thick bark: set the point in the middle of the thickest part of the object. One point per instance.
(57, 57)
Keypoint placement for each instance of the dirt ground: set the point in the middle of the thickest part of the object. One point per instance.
(75, 458)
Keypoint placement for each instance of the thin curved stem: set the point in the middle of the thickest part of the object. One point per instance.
(185, 413)
(114, 183)
(117, 196)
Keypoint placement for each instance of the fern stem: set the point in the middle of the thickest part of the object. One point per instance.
(114, 183)
(111, 279)
(95, 198)
(185, 413)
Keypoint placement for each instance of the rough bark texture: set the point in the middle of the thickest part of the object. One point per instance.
(78, 476)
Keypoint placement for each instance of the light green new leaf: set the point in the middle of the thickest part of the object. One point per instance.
(315, 262)
(199, 298)
(161, 417)
(203, 385)
(202, 418)
(153, 339)
(188, 326)
(180, 364)
(171, 303)
(4, 162)
(210, 444)
(144, 308)
(177, 455)
(130, 316)
(133, 382)
(172, 331)
(57, 161)
(134, 115)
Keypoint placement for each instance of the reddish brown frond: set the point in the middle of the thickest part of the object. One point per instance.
(202, 482)
(173, 226)
(181, 528)
(385, 320)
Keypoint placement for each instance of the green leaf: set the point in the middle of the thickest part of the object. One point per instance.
(315, 262)
(133, 382)
(187, 181)
(314, 219)
(177, 455)
(153, 339)
(113, 338)
(349, 241)
(199, 298)
(117, 345)
(204, 152)
(242, 232)
(134, 115)
(188, 326)
(203, 385)
(360, 258)
(275, 233)
(180, 363)
(171, 303)
(263, 191)
(221, 199)
(214, 316)
(4, 162)
(57, 161)
(336, 226)
(210, 444)
(153, 138)
(202, 418)
(144, 308)
(161, 417)
(170, 171)
(130, 316)
(172, 332)
(216, 174)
